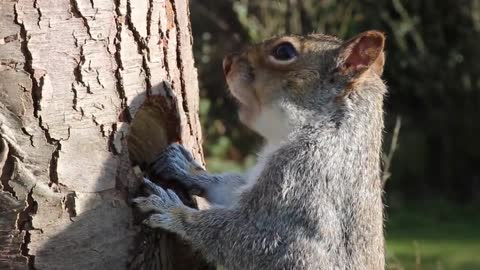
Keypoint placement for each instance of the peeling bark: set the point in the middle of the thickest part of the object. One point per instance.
(73, 76)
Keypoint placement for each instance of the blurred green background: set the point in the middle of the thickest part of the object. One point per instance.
(433, 73)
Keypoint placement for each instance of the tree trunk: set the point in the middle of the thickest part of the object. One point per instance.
(88, 87)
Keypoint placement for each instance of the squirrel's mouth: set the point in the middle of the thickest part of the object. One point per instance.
(244, 94)
(239, 77)
(248, 105)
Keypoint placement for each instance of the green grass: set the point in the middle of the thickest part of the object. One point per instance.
(435, 236)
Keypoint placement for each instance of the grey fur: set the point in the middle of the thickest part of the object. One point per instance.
(316, 199)
(175, 162)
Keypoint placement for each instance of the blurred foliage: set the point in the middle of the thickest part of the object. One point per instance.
(433, 73)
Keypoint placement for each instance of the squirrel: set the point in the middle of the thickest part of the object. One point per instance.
(314, 198)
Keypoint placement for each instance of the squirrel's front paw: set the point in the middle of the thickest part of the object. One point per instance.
(168, 209)
(151, 188)
(175, 162)
(162, 221)
(161, 201)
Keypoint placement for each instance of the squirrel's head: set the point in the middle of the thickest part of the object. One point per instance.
(295, 76)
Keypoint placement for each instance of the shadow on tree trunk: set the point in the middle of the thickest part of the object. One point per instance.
(155, 125)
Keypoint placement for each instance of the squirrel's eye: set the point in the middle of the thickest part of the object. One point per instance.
(284, 52)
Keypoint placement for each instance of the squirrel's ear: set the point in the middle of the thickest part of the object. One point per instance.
(365, 51)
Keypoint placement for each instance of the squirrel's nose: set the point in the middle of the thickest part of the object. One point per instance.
(227, 64)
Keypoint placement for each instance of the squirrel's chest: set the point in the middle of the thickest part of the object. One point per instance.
(255, 172)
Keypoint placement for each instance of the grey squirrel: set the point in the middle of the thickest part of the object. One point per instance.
(314, 198)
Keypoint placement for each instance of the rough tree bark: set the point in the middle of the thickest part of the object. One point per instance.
(74, 76)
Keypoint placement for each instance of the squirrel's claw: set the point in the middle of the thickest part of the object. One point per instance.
(151, 188)
(159, 202)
